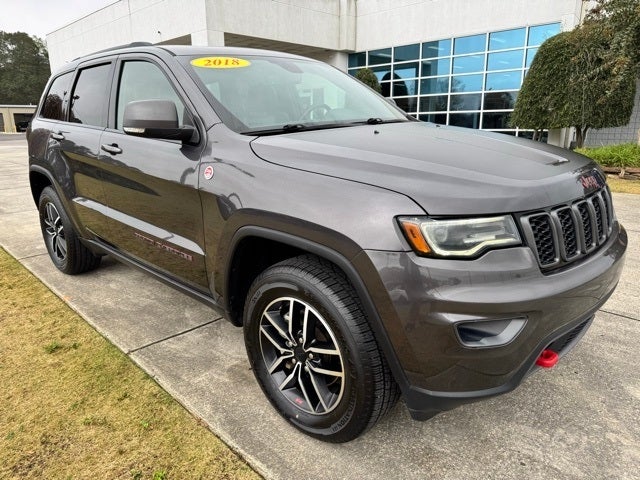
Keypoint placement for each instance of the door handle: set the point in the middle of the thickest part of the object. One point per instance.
(57, 136)
(112, 149)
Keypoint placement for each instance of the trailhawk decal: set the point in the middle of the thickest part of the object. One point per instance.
(164, 246)
(220, 62)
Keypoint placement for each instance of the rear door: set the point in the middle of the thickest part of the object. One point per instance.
(151, 184)
(74, 139)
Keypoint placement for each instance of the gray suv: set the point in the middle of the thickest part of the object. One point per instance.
(366, 255)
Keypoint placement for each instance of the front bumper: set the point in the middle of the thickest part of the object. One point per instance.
(422, 299)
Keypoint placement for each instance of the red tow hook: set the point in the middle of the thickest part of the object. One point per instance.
(547, 359)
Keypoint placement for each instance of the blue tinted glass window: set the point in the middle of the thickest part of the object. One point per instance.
(505, 60)
(466, 83)
(496, 120)
(537, 35)
(504, 80)
(465, 102)
(435, 103)
(507, 39)
(357, 59)
(500, 100)
(432, 68)
(406, 87)
(471, 44)
(376, 57)
(468, 64)
(530, 54)
(406, 52)
(468, 120)
(407, 104)
(439, 48)
(353, 71)
(383, 73)
(405, 70)
(434, 85)
(439, 118)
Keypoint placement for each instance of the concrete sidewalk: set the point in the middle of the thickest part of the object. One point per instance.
(579, 420)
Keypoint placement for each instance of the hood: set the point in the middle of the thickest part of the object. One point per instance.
(446, 170)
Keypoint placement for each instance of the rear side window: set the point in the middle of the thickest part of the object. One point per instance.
(53, 102)
(142, 80)
(90, 96)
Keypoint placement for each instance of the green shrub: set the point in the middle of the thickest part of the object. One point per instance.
(625, 155)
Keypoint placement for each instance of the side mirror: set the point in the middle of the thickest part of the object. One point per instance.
(155, 119)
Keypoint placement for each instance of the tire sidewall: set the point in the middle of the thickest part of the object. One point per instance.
(276, 285)
(49, 196)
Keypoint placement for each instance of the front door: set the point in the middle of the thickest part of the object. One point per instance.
(151, 184)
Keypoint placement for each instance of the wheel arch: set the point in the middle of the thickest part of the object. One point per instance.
(39, 179)
(237, 281)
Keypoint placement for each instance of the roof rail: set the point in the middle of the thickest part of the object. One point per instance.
(129, 45)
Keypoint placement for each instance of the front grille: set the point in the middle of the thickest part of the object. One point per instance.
(566, 233)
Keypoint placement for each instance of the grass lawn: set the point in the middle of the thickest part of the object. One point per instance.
(73, 406)
(623, 185)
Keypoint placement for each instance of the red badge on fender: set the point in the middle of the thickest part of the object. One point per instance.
(208, 172)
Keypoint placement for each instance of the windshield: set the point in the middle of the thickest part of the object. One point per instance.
(261, 94)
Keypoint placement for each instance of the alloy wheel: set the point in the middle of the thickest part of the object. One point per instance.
(55, 231)
(302, 356)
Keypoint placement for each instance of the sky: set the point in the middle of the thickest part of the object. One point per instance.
(39, 17)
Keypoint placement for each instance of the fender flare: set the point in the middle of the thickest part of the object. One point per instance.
(349, 270)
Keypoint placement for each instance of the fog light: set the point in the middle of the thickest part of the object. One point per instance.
(489, 333)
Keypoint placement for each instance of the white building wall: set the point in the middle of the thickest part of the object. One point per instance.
(386, 23)
(325, 24)
(315, 23)
(123, 22)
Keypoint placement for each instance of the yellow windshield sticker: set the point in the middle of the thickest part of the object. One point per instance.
(220, 62)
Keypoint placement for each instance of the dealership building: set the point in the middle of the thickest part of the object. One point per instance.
(453, 62)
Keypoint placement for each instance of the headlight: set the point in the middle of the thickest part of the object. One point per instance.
(466, 237)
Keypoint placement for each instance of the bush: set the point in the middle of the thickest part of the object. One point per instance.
(625, 155)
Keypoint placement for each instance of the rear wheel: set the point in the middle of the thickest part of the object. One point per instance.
(313, 352)
(68, 254)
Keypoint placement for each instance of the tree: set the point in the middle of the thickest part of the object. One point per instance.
(366, 76)
(24, 68)
(569, 85)
(621, 19)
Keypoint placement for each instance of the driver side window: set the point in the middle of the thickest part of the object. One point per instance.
(140, 80)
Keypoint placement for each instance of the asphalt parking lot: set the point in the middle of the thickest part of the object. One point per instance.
(580, 420)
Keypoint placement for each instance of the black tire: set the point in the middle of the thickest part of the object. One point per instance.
(68, 254)
(335, 336)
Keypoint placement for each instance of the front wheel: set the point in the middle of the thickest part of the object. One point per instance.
(313, 352)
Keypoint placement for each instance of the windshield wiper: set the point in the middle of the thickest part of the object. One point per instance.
(295, 127)
(378, 121)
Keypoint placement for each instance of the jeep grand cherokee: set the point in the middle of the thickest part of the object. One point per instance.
(366, 255)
